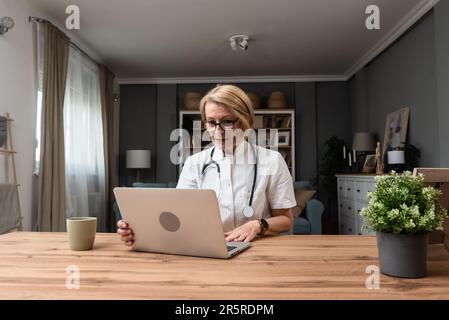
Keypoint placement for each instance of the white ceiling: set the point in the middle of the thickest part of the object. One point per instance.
(291, 39)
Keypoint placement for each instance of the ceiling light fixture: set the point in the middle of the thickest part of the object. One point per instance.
(6, 23)
(239, 41)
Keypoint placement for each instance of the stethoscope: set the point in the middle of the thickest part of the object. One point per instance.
(248, 211)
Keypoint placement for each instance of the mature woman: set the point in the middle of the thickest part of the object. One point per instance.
(253, 184)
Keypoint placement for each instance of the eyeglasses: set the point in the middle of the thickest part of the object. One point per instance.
(224, 125)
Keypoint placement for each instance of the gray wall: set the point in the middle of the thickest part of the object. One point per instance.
(333, 113)
(442, 74)
(412, 73)
(167, 115)
(137, 128)
(359, 101)
(306, 128)
(148, 113)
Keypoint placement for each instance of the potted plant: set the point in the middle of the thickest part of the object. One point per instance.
(403, 211)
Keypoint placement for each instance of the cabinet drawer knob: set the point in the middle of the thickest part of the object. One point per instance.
(341, 206)
(350, 229)
(349, 189)
(358, 190)
(349, 208)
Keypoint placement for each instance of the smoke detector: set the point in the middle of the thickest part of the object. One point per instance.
(239, 41)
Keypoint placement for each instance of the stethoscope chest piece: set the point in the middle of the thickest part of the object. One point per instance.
(248, 212)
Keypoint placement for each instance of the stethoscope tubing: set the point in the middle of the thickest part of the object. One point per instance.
(213, 162)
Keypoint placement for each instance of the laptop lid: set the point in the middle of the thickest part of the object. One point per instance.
(174, 221)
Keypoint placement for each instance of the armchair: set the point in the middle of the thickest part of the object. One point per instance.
(309, 220)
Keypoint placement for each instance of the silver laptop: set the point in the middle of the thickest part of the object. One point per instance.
(176, 221)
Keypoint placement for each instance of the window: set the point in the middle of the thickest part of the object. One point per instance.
(39, 83)
(85, 192)
(83, 139)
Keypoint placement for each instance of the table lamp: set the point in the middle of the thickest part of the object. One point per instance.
(396, 160)
(362, 144)
(138, 159)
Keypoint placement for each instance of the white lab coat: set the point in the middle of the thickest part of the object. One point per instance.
(273, 188)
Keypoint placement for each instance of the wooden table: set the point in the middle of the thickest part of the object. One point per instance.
(33, 266)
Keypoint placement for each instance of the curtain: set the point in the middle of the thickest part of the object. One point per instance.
(84, 152)
(51, 181)
(107, 111)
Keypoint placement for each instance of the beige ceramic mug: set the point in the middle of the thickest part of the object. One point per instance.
(81, 232)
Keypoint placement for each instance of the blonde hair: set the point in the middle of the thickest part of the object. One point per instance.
(234, 99)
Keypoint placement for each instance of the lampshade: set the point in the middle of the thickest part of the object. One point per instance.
(364, 141)
(138, 159)
(396, 157)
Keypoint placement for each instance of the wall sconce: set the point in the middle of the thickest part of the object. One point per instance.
(6, 23)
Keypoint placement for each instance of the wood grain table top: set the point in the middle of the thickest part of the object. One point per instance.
(34, 266)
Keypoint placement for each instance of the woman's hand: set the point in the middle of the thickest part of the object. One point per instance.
(246, 232)
(125, 232)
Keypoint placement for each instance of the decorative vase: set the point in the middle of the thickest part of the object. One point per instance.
(277, 100)
(403, 255)
(192, 100)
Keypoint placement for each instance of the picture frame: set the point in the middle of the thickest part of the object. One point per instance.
(395, 131)
(285, 123)
(281, 139)
(369, 165)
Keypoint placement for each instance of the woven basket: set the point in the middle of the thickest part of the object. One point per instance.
(277, 100)
(192, 100)
(255, 99)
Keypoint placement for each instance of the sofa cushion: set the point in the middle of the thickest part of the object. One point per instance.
(172, 185)
(301, 226)
(302, 196)
(149, 185)
(302, 184)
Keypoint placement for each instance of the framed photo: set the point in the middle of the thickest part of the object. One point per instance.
(395, 131)
(369, 165)
(285, 123)
(283, 138)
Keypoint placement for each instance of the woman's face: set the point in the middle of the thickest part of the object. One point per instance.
(221, 135)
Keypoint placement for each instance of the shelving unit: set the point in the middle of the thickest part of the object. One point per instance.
(13, 221)
(8, 149)
(281, 119)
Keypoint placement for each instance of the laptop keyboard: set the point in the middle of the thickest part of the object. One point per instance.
(230, 248)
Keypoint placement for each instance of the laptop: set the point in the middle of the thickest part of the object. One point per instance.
(176, 221)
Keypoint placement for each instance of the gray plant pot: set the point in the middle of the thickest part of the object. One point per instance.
(403, 255)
